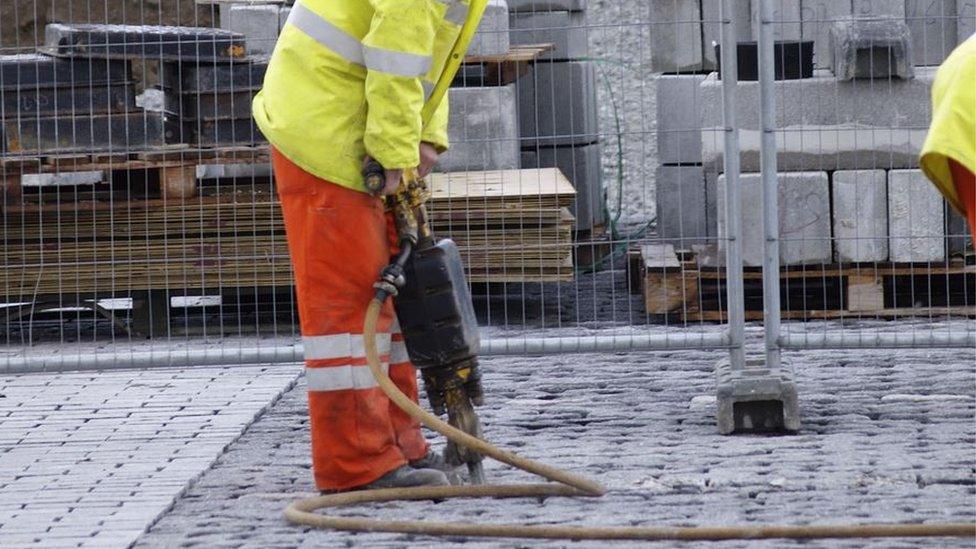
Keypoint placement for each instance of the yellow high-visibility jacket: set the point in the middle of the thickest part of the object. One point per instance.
(953, 131)
(349, 78)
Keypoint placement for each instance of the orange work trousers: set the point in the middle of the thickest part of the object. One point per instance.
(339, 241)
(966, 189)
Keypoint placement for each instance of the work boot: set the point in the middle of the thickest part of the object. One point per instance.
(433, 460)
(408, 477)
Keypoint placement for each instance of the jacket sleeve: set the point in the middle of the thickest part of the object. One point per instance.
(398, 51)
(435, 132)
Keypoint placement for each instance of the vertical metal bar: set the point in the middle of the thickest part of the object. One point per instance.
(767, 97)
(735, 294)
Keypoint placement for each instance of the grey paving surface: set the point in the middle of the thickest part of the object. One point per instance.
(887, 437)
(92, 459)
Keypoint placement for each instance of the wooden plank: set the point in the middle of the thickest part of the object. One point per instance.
(668, 293)
(500, 184)
(522, 53)
(886, 269)
(864, 293)
(921, 312)
(178, 182)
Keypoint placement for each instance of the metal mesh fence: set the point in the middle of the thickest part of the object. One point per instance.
(589, 183)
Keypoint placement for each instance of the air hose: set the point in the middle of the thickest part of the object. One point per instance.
(304, 512)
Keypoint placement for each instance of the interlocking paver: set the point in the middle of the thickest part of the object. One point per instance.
(89, 458)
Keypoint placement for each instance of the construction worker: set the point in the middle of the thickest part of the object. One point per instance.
(347, 82)
(949, 154)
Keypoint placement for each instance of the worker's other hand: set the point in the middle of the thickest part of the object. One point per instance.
(392, 182)
(428, 158)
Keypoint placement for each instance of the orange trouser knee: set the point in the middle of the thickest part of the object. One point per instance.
(966, 189)
(339, 240)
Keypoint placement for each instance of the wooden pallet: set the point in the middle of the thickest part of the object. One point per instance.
(675, 284)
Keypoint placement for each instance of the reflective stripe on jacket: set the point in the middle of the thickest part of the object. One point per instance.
(349, 78)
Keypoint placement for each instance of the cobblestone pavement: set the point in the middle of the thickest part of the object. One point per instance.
(92, 459)
(887, 437)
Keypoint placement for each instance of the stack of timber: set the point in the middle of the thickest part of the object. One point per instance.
(512, 226)
(679, 284)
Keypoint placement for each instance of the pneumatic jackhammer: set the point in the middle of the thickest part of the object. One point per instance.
(434, 309)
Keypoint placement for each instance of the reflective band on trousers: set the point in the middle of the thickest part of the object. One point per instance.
(348, 47)
(327, 347)
(341, 378)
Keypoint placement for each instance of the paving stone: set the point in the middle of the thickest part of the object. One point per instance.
(804, 218)
(557, 105)
(258, 23)
(916, 223)
(860, 218)
(483, 130)
(565, 30)
(879, 8)
(492, 37)
(787, 19)
(878, 48)
(546, 5)
(679, 118)
(934, 29)
(682, 212)
(581, 165)
(712, 28)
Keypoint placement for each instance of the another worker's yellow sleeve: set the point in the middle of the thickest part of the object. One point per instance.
(953, 131)
(397, 51)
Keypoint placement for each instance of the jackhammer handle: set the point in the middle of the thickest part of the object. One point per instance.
(374, 177)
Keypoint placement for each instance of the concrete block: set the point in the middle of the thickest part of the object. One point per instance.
(283, 17)
(483, 130)
(676, 35)
(957, 231)
(916, 226)
(826, 124)
(565, 30)
(236, 171)
(860, 201)
(872, 48)
(804, 218)
(818, 17)
(712, 27)
(787, 17)
(679, 118)
(557, 104)
(966, 26)
(546, 5)
(934, 29)
(682, 208)
(492, 37)
(581, 165)
(258, 23)
(878, 8)
(61, 179)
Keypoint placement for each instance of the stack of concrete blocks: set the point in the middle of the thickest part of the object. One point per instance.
(557, 101)
(483, 126)
(856, 145)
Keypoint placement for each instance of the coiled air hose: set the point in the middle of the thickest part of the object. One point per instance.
(570, 485)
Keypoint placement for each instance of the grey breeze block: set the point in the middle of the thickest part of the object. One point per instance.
(557, 104)
(967, 20)
(546, 5)
(934, 29)
(804, 217)
(581, 165)
(682, 206)
(826, 124)
(786, 17)
(492, 37)
(679, 118)
(817, 18)
(872, 48)
(676, 35)
(565, 30)
(483, 130)
(916, 210)
(260, 25)
(860, 201)
(712, 27)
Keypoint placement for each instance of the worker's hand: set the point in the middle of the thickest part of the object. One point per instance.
(392, 178)
(428, 158)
